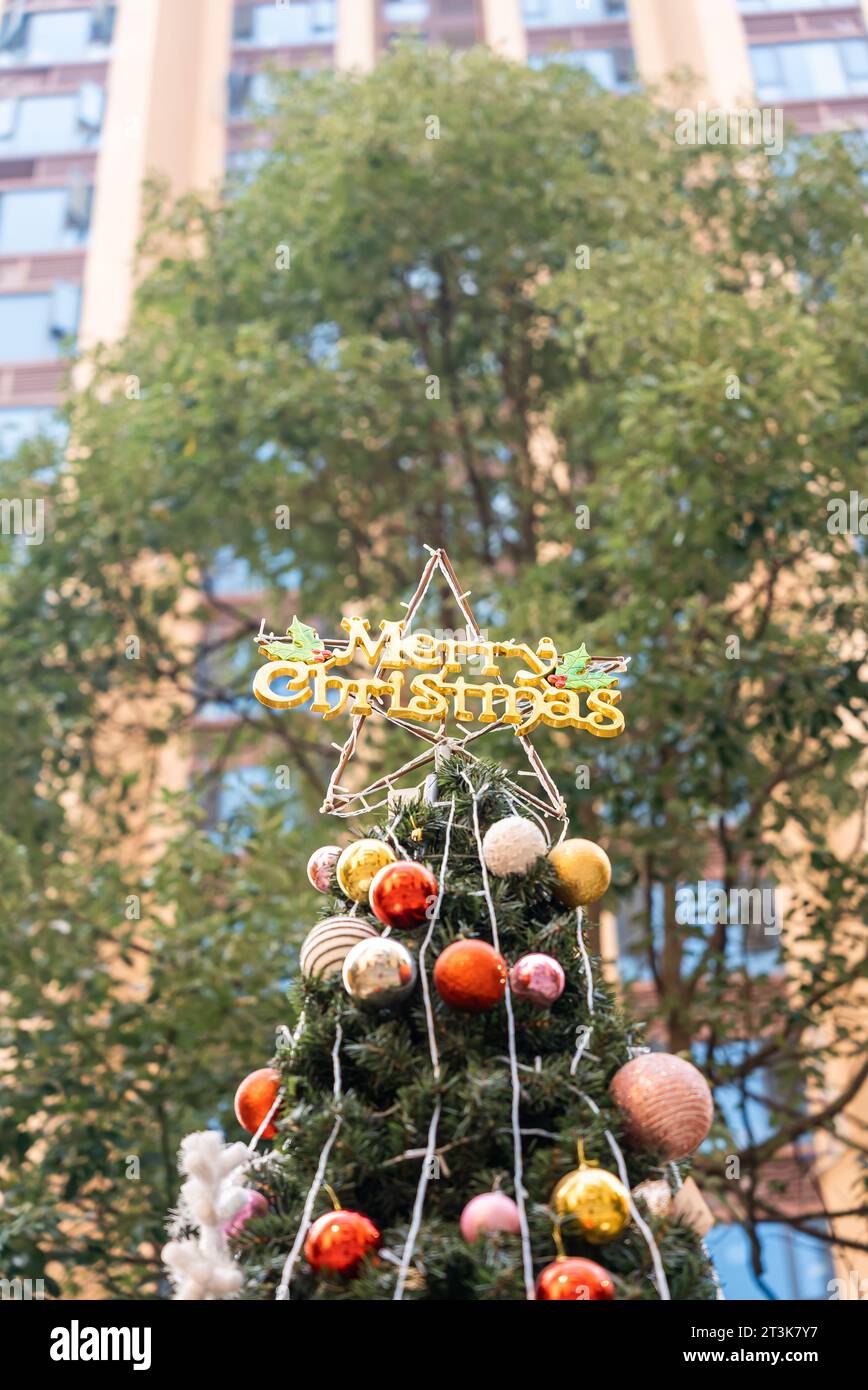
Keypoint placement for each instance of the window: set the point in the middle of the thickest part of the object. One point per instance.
(854, 57)
(406, 11)
(18, 423)
(282, 25)
(52, 125)
(60, 36)
(43, 219)
(612, 68)
(763, 6)
(33, 326)
(242, 165)
(798, 71)
(542, 14)
(249, 94)
(795, 1264)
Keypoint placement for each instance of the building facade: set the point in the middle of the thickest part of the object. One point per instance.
(95, 97)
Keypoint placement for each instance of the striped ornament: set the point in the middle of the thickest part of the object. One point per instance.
(326, 947)
(665, 1104)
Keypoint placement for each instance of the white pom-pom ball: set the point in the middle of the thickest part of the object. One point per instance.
(513, 845)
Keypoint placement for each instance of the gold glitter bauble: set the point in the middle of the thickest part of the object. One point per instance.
(357, 865)
(592, 1203)
(583, 871)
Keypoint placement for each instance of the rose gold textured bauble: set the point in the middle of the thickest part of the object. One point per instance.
(576, 1281)
(664, 1102)
(254, 1098)
(340, 1240)
(471, 976)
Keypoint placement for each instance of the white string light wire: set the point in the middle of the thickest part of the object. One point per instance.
(428, 1160)
(289, 1264)
(416, 1222)
(586, 963)
(267, 1121)
(583, 1034)
(526, 1255)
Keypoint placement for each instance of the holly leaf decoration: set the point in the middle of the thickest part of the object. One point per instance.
(304, 644)
(572, 666)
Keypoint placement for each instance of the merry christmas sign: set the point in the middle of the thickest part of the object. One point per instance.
(417, 679)
(561, 691)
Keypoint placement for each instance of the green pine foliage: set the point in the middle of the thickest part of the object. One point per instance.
(389, 1094)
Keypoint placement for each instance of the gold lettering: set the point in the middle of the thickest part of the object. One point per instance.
(386, 651)
(527, 703)
(297, 680)
(606, 721)
(429, 699)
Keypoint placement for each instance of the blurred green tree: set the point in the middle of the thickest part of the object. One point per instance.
(617, 378)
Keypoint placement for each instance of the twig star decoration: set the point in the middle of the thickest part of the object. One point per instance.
(548, 689)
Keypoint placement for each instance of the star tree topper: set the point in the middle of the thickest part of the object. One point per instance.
(546, 691)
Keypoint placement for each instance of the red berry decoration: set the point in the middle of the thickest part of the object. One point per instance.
(340, 1240)
(254, 1098)
(574, 1280)
(471, 976)
(402, 894)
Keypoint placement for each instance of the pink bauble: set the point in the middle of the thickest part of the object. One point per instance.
(321, 867)
(537, 978)
(665, 1104)
(488, 1213)
(255, 1205)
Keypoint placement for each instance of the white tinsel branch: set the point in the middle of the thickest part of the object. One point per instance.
(200, 1265)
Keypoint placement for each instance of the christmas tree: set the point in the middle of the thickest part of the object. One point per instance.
(458, 1107)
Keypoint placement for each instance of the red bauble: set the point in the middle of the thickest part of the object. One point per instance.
(254, 1098)
(340, 1240)
(401, 894)
(470, 975)
(572, 1279)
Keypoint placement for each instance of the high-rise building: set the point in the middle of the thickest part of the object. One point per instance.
(95, 97)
